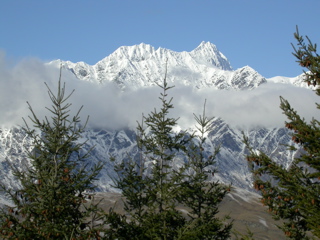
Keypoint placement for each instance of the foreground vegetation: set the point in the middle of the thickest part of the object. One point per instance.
(293, 194)
(151, 200)
(49, 203)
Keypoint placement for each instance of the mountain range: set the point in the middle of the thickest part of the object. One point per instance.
(132, 68)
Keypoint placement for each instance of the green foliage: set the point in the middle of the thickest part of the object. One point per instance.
(50, 202)
(308, 58)
(197, 193)
(150, 197)
(293, 194)
(242, 236)
(154, 189)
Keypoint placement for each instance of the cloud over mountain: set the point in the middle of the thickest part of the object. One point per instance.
(111, 108)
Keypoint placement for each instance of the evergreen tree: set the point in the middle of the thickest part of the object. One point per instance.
(152, 193)
(198, 193)
(293, 194)
(150, 197)
(50, 201)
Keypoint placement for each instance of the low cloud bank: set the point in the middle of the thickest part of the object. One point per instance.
(112, 109)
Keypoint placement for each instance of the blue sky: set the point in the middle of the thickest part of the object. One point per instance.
(257, 33)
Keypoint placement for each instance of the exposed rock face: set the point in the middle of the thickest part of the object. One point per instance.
(230, 162)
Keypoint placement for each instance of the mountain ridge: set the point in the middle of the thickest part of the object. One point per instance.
(142, 66)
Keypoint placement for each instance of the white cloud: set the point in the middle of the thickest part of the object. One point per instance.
(110, 108)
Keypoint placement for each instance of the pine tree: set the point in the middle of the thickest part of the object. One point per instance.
(199, 194)
(150, 197)
(49, 203)
(152, 193)
(293, 194)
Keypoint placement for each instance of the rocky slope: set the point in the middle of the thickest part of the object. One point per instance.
(231, 163)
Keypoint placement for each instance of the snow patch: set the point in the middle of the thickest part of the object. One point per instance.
(263, 222)
(244, 195)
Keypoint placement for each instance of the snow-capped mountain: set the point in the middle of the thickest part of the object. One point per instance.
(296, 81)
(141, 66)
(231, 163)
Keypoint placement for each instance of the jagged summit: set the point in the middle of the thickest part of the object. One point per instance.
(135, 53)
(206, 53)
(142, 65)
(210, 53)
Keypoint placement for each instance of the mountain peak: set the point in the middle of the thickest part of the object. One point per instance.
(134, 52)
(142, 65)
(138, 46)
(205, 44)
(208, 52)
